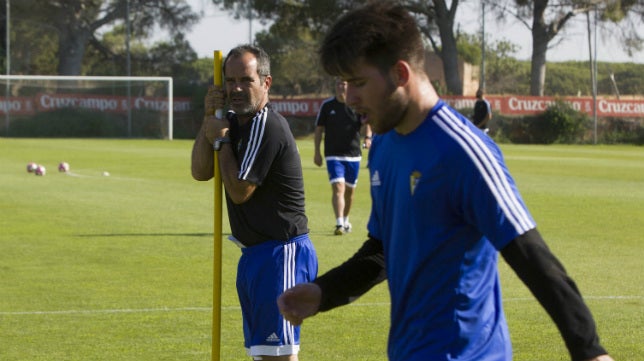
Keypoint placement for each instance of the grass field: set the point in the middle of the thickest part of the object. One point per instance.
(120, 267)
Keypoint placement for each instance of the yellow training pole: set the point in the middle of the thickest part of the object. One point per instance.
(216, 282)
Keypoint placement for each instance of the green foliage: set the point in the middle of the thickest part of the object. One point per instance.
(46, 34)
(537, 130)
(203, 70)
(560, 123)
(628, 78)
(574, 78)
(469, 47)
(504, 73)
(77, 123)
(621, 131)
(568, 78)
(170, 58)
(37, 27)
(507, 75)
(511, 130)
(294, 60)
(33, 47)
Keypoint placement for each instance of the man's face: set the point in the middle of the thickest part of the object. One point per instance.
(341, 90)
(376, 97)
(246, 90)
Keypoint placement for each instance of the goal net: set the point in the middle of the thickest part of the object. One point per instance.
(86, 106)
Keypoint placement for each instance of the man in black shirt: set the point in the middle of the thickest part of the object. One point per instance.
(482, 111)
(262, 175)
(340, 126)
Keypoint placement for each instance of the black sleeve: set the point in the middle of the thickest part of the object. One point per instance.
(545, 276)
(354, 277)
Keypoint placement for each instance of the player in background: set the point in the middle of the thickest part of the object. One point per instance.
(340, 127)
(443, 206)
(482, 111)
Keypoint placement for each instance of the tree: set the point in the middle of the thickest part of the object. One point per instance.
(296, 61)
(503, 69)
(296, 30)
(76, 23)
(34, 46)
(435, 19)
(107, 56)
(549, 19)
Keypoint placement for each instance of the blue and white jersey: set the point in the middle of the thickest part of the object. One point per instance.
(443, 204)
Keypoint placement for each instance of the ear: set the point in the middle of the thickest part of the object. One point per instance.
(401, 72)
(268, 80)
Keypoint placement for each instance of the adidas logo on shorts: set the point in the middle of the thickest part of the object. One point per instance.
(272, 338)
(375, 179)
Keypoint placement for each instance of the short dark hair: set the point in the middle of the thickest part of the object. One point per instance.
(263, 60)
(380, 33)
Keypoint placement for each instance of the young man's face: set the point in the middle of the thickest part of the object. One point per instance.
(376, 97)
(246, 90)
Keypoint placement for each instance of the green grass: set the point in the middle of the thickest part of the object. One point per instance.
(120, 267)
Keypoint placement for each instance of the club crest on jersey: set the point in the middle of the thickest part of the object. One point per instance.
(414, 178)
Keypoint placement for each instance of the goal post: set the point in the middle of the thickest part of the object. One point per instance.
(86, 106)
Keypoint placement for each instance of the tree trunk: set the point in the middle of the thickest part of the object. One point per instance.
(538, 64)
(540, 41)
(72, 42)
(450, 65)
(449, 53)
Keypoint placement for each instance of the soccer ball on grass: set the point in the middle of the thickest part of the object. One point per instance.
(31, 167)
(63, 167)
(40, 170)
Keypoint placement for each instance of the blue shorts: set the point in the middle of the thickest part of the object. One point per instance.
(343, 169)
(264, 272)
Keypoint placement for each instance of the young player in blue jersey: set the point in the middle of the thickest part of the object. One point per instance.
(261, 172)
(444, 205)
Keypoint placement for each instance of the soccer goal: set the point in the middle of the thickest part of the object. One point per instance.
(86, 106)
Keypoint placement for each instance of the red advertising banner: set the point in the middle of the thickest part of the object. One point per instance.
(506, 105)
(103, 103)
(44, 102)
(17, 105)
(297, 107)
(309, 107)
(527, 105)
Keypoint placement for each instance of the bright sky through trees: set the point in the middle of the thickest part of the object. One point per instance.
(218, 30)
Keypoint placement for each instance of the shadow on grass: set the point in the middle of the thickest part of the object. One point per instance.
(147, 235)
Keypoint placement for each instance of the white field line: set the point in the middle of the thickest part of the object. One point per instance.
(111, 311)
(587, 298)
(228, 308)
(78, 175)
(97, 175)
(72, 174)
